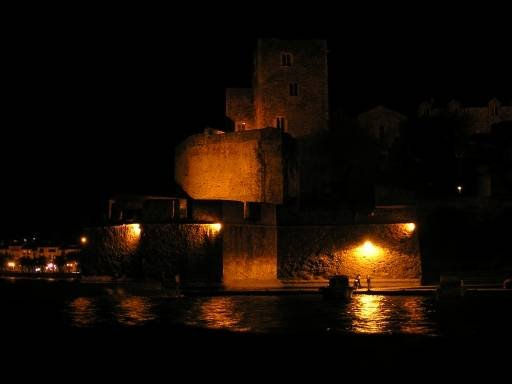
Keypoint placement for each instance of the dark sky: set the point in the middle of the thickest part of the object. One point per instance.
(95, 102)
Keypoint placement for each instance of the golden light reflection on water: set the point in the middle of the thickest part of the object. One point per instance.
(385, 314)
(83, 312)
(369, 314)
(135, 310)
(416, 319)
(221, 313)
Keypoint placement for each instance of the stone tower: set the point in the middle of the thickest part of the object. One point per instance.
(289, 89)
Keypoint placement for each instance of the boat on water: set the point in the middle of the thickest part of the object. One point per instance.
(339, 288)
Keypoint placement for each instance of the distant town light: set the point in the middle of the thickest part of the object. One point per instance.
(51, 267)
(11, 264)
(38, 269)
(410, 227)
(83, 240)
(459, 189)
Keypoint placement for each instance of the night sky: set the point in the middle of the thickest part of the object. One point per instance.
(95, 102)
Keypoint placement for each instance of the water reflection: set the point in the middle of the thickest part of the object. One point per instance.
(369, 314)
(64, 304)
(83, 312)
(386, 314)
(219, 313)
(417, 319)
(135, 310)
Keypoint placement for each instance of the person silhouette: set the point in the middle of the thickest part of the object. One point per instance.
(178, 281)
(357, 282)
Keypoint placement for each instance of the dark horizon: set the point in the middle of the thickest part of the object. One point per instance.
(97, 109)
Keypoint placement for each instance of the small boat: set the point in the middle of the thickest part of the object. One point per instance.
(339, 288)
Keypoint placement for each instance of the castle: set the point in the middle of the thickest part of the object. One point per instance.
(280, 196)
(269, 184)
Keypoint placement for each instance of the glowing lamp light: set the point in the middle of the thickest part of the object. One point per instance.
(459, 188)
(38, 269)
(410, 227)
(11, 264)
(368, 250)
(135, 229)
(213, 229)
(83, 240)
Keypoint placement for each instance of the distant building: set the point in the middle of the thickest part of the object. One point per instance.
(482, 119)
(16, 252)
(381, 124)
(49, 252)
(479, 119)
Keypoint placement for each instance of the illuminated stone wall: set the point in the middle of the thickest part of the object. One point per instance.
(309, 252)
(240, 166)
(110, 250)
(194, 250)
(154, 251)
(249, 254)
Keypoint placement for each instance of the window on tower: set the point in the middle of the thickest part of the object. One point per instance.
(493, 108)
(281, 123)
(286, 59)
(382, 132)
(294, 89)
(241, 126)
(252, 211)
